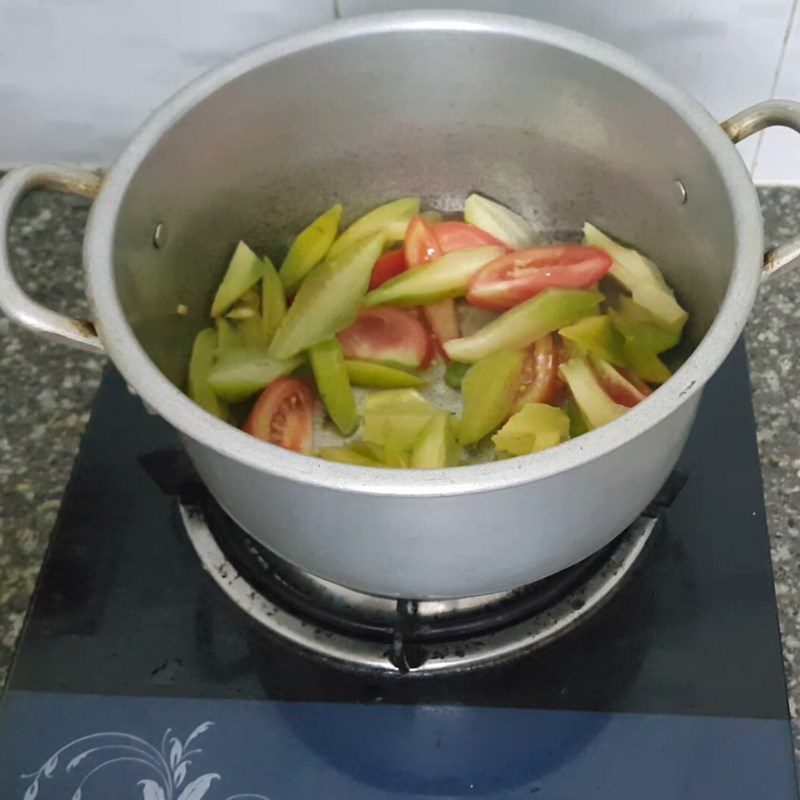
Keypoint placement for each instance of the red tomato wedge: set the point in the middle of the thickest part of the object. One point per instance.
(284, 415)
(389, 265)
(519, 275)
(620, 384)
(389, 335)
(436, 349)
(454, 235)
(421, 246)
(539, 382)
(635, 381)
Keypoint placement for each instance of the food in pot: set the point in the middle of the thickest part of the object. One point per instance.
(354, 350)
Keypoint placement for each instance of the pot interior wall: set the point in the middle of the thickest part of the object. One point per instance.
(431, 112)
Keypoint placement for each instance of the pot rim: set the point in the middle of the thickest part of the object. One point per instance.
(174, 406)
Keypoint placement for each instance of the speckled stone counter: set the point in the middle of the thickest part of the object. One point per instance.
(46, 393)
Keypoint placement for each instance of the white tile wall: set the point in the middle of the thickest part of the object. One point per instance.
(78, 76)
(778, 158)
(725, 53)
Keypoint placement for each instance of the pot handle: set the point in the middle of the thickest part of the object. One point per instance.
(785, 113)
(13, 300)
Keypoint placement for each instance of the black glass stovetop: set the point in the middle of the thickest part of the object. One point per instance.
(674, 690)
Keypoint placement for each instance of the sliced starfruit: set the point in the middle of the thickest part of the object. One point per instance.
(246, 307)
(244, 271)
(598, 336)
(520, 326)
(251, 331)
(200, 366)
(273, 301)
(333, 384)
(309, 248)
(239, 373)
(328, 299)
(394, 418)
(640, 277)
(378, 376)
(591, 398)
(535, 427)
(489, 389)
(368, 449)
(447, 276)
(390, 220)
(347, 454)
(641, 328)
(646, 364)
(228, 334)
(436, 446)
(577, 422)
(503, 223)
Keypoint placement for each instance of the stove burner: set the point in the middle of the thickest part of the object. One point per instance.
(419, 636)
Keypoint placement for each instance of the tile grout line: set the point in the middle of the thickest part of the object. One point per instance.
(775, 78)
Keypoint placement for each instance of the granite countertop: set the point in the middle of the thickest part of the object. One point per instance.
(47, 390)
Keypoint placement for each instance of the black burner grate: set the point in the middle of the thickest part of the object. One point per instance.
(265, 572)
(406, 631)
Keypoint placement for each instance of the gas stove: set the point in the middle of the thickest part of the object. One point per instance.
(167, 656)
(403, 636)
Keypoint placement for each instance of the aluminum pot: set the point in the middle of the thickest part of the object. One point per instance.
(559, 126)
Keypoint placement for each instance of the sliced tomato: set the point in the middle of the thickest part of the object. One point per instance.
(635, 381)
(539, 382)
(621, 385)
(520, 274)
(435, 347)
(561, 389)
(387, 266)
(421, 246)
(453, 235)
(389, 335)
(284, 415)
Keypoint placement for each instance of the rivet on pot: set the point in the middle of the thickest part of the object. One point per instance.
(679, 192)
(160, 236)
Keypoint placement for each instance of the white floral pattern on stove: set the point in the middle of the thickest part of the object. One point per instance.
(165, 770)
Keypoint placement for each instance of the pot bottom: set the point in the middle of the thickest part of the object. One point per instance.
(370, 632)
